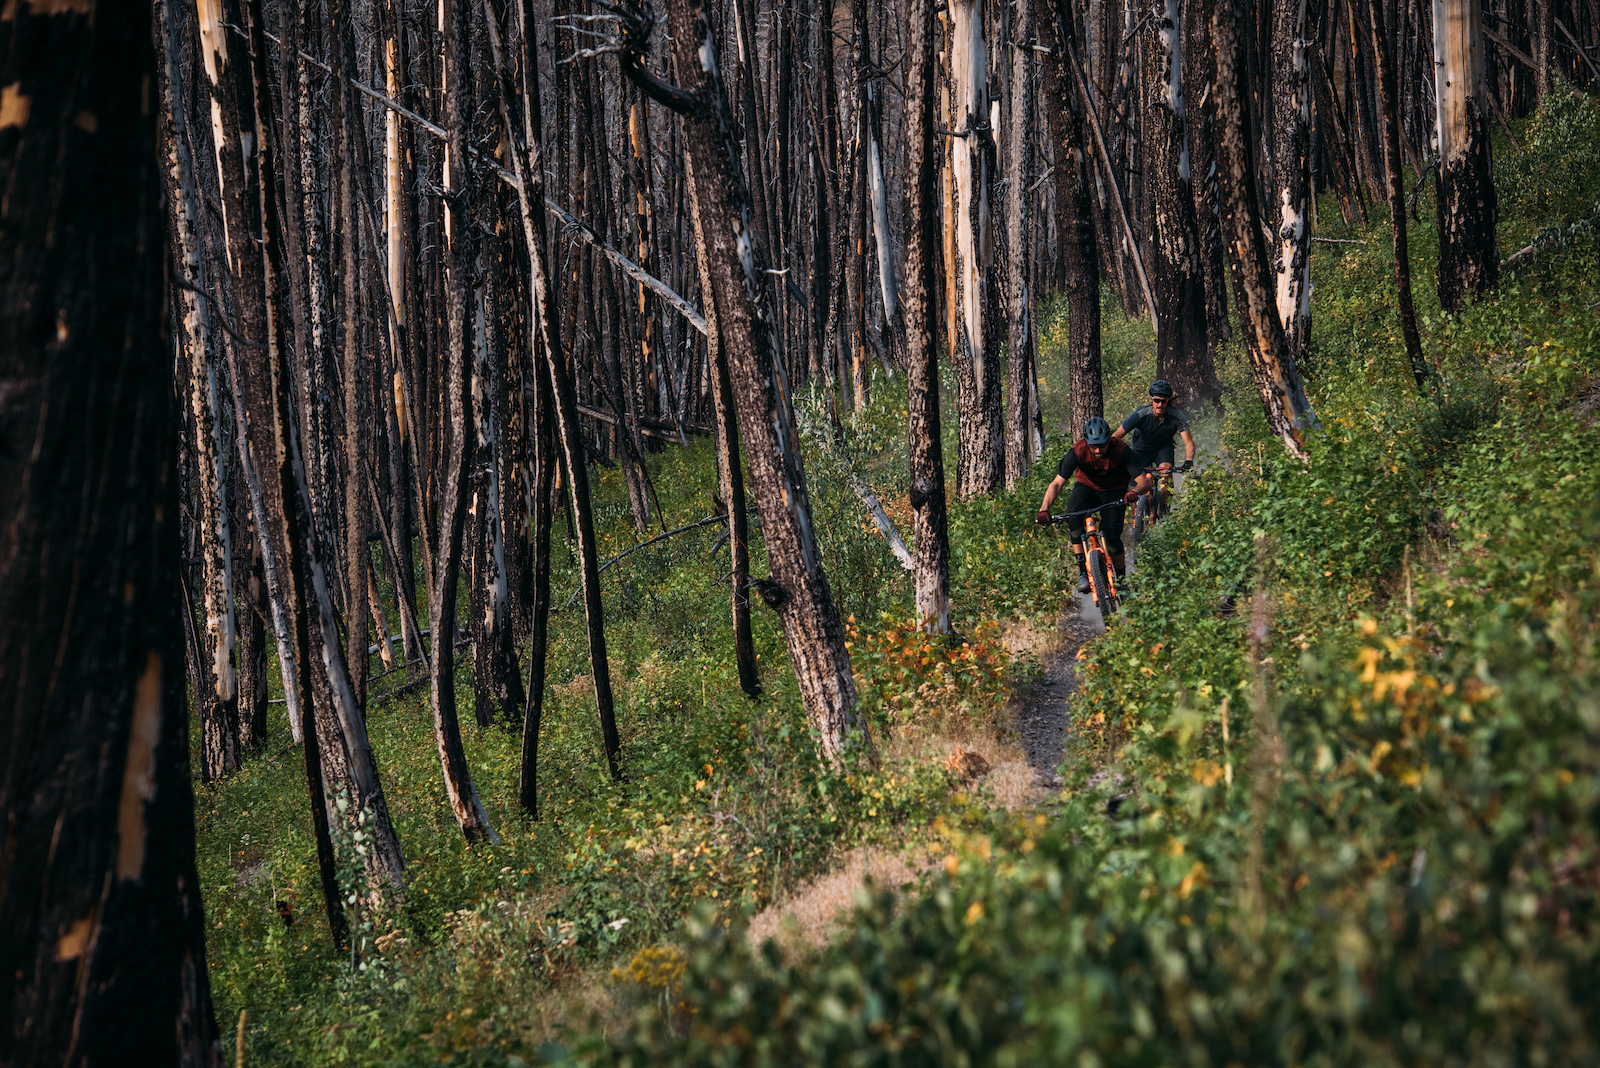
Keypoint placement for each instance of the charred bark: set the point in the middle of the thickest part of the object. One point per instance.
(1469, 260)
(930, 526)
(1272, 364)
(101, 923)
(1394, 190)
(1082, 260)
(798, 588)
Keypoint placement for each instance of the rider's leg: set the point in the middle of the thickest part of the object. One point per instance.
(1080, 498)
(1165, 467)
(1112, 528)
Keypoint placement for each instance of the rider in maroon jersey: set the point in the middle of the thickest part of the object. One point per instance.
(1101, 469)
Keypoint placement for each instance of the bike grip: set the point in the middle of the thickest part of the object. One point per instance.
(1043, 518)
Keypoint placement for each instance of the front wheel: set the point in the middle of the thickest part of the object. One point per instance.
(1100, 582)
(1140, 512)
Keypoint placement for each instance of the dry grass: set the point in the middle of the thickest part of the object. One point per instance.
(805, 918)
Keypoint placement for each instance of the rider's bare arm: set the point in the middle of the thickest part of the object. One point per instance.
(1119, 432)
(1050, 493)
(1188, 445)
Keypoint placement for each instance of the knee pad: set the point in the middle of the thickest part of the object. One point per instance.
(1075, 536)
(1114, 545)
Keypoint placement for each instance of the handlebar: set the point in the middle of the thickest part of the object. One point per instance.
(1062, 517)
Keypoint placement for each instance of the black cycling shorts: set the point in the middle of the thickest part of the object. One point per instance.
(1162, 455)
(1083, 498)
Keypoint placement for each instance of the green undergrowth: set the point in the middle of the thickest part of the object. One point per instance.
(724, 804)
(1332, 797)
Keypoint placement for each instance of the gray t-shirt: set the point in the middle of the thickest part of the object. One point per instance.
(1146, 433)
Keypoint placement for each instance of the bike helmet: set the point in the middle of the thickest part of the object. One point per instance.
(1161, 388)
(1096, 431)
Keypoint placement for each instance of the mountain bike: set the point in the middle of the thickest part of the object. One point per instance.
(1156, 500)
(1102, 576)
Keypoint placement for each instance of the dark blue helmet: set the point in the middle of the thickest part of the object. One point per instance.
(1161, 388)
(1096, 431)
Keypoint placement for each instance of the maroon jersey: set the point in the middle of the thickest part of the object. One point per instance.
(1105, 473)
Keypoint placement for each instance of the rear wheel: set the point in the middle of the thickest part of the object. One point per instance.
(1100, 581)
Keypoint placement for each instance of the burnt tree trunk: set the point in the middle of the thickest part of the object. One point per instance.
(1394, 189)
(527, 163)
(1469, 260)
(731, 478)
(798, 588)
(216, 691)
(459, 432)
(1198, 81)
(1183, 349)
(1082, 259)
(930, 525)
(101, 923)
(1272, 364)
(1019, 152)
(975, 341)
(1290, 196)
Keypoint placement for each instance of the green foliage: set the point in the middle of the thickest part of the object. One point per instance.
(1330, 798)
(1556, 177)
(1333, 796)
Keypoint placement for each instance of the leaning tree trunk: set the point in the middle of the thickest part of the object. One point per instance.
(101, 923)
(459, 433)
(246, 198)
(975, 343)
(1469, 261)
(1291, 169)
(930, 526)
(1066, 111)
(527, 163)
(292, 521)
(1272, 364)
(798, 588)
(1394, 189)
(731, 478)
(1183, 349)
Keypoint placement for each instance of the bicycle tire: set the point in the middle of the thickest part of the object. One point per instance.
(1139, 511)
(1100, 583)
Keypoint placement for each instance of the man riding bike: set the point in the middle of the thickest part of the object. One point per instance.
(1150, 431)
(1100, 466)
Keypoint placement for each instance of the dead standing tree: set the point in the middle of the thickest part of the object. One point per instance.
(1074, 184)
(1272, 363)
(930, 524)
(1183, 349)
(1394, 189)
(217, 697)
(1290, 200)
(101, 924)
(460, 433)
(1469, 262)
(555, 403)
(798, 588)
(970, 269)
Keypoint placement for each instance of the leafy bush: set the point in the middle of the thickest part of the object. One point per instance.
(1557, 176)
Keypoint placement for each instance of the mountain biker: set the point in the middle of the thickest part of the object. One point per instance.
(1100, 467)
(1150, 431)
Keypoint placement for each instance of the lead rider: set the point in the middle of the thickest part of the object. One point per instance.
(1101, 468)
